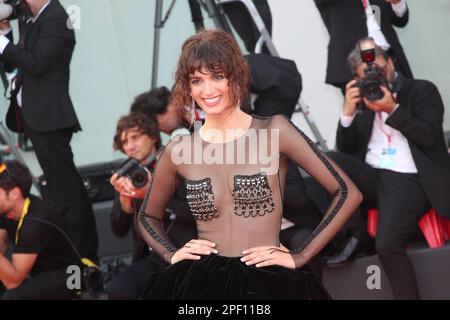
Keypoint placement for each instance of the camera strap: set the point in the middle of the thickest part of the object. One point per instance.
(364, 3)
(151, 161)
(26, 206)
(85, 261)
(4, 80)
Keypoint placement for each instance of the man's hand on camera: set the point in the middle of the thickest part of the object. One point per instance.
(128, 191)
(5, 26)
(352, 98)
(126, 202)
(125, 187)
(386, 104)
(122, 185)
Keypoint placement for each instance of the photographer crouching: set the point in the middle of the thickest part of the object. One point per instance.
(41, 253)
(393, 148)
(137, 136)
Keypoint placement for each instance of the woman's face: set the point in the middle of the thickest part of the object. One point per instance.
(211, 92)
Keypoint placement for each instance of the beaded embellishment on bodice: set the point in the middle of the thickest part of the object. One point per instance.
(252, 195)
(201, 199)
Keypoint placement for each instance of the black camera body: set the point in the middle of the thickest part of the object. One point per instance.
(370, 85)
(133, 169)
(12, 9)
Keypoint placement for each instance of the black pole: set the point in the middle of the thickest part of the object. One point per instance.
(196, 14)
(217, 16)
(156, 41)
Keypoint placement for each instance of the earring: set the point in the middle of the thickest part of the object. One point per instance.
(190, 113)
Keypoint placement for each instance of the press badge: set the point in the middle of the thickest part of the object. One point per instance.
(387, 159)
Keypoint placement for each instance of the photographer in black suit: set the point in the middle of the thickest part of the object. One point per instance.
(137, 136)
(393, 148)
(41, 107)
(347, 21)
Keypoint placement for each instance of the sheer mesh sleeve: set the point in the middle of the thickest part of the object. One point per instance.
(345, 196)
(153, 208)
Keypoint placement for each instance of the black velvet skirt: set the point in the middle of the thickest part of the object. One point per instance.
(216, 277)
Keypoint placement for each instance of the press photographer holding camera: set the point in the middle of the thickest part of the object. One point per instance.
(139, 139)
(41, 108)
(371, 83)
(393, 148)
(137, 136)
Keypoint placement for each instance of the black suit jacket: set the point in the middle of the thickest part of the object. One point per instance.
(44, 72)
(277, 83)
(419, 118)
(346, 24)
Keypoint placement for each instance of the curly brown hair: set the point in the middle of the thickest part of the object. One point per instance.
(213, 51)
(144, 125)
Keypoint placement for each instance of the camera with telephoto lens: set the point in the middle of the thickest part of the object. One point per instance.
(370, 85)
(133, 169)
(11, 9)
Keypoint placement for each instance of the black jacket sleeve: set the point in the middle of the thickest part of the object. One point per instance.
(399, 21)
(346, 138)
(424, 126)
(324, 2)
(46, 51)
(120, 221)
(8, 66)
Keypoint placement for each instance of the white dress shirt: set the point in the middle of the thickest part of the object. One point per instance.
(402, 161)
(373, 27)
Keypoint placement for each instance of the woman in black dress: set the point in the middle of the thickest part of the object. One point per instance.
(234, 168)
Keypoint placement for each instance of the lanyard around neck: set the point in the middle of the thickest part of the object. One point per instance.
(26, 205)
(388, 135)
